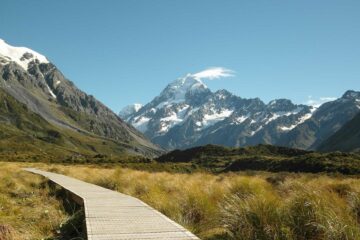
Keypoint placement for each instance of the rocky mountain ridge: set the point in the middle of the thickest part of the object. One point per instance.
(188, 114)
(34, 81)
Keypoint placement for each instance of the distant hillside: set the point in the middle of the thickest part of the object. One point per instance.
(26, 136)
(347, 139)
(216, 151)
(263, 158)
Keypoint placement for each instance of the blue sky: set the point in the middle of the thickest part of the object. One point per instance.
(128, 51)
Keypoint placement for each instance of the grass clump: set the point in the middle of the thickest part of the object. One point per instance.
(6, 232)
(27, 211)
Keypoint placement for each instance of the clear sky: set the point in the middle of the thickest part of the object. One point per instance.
(127, 51)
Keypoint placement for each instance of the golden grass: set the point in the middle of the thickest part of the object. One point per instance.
(27, 211)
(240, 206)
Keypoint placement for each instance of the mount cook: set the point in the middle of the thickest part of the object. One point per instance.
(188, 114)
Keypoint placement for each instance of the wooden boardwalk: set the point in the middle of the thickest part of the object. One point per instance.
(113, 215)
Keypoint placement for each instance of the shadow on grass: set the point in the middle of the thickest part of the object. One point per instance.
(74, 228)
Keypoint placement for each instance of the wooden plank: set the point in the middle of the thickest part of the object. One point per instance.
(112, 215)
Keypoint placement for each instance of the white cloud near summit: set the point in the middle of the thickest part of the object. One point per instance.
(214, 73)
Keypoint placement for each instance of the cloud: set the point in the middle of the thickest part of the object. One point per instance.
(317, 102)
(214, 73)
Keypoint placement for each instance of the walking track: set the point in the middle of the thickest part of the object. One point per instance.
(112, 215)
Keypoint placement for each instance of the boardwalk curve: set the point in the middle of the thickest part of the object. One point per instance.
(112, 215)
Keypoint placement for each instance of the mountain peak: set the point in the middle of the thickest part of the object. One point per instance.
(130, 109)
(189, 82)
(351, 94)
(223, 94)
(280, 102)
(21, 55)
(178, 89)
(281, 105)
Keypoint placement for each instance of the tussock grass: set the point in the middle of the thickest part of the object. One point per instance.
(27, 211)
(256, 205)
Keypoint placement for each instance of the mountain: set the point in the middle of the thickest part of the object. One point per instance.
(325, 121)
(347, 139)
(26, 136)
(188, 114)
(130, 109)
(31, 79)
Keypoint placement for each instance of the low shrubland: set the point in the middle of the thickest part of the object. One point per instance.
(209, 158)
(33, 208)
(218, 159)
(28, 209)
(247, 205)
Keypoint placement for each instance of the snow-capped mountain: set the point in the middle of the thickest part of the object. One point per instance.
(21, 55)
(187, 113)
(33, 80)
(325, 121)
(130, 109)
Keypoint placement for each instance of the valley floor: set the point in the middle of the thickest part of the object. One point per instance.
(252, 205)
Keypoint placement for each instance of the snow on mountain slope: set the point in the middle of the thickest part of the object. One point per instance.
(21, 55)
(301, 120)
(141, 123)
(179, 90)
(187, 113)
(324, 122)
(214, 117)
(173, 106)
(130, 109)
